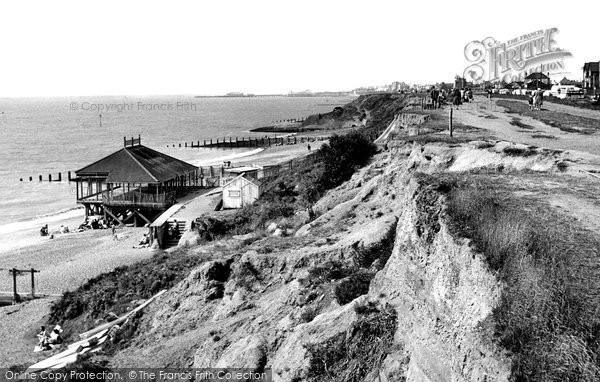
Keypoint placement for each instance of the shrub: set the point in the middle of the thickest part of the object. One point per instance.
(518, 151)
(562, 166)
(342, 156)
(353, 286)
(332, 270)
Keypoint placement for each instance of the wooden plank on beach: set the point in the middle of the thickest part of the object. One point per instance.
(121, 319)
(591, 174)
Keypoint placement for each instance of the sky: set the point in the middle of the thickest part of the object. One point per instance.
(78, 48)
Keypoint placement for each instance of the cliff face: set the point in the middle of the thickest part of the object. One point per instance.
(259, 304)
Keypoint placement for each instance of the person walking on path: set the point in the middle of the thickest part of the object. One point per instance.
(457, 99)
(539, 99)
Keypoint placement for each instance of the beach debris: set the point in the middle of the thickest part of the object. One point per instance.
(91, 341)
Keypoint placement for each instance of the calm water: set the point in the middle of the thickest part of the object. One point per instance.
(51, 135)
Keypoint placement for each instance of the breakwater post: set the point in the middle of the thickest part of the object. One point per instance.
(450, 122)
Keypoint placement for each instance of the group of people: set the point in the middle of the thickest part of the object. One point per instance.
(45, 232)
(93, 224)
(458, 96)
(48, 341)
(536, 99)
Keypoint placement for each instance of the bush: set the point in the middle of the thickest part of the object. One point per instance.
(332, 270)
(342, 156)
(352, 287)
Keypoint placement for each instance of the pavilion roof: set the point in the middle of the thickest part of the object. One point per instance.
(137, 164)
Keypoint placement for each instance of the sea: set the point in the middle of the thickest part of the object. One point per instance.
(42, 136)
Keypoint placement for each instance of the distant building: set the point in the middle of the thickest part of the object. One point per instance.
(240, 191)
(537, 80)
(591, 80)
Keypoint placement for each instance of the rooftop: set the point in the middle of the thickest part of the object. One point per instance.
(137, 164)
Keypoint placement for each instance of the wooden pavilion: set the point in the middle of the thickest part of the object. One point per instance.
(134, 182)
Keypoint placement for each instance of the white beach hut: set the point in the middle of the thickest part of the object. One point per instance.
(240, 191)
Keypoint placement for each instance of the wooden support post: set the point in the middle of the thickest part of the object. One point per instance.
(69, 175)
(142, 216)
(49, 177)
(33, 282)
(30, 178)
(15, 294)
(185, 144)
(60, 176)
(450, 122)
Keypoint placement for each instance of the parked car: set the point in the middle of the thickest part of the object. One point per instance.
(504, 91)
(564, 91)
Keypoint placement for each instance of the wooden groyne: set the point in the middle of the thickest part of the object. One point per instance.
(50, 178)
(293, 120)
(235, 142)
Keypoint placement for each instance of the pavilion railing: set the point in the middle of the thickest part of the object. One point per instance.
(140, 198)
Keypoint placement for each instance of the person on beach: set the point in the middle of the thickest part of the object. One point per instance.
(308, 147)
(44, 230)
(55, 336)
(175, 229)
(43, 338)
(144, 242)
(114, 232)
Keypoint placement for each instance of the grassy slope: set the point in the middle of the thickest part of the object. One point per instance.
(548, 315)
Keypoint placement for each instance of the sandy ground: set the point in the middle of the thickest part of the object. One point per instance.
(68, 260)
